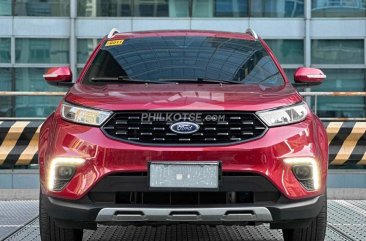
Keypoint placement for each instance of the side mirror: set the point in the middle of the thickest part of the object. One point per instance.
(309, 76)
(59, 76)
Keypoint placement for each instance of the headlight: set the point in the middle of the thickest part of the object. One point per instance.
(83, 115)
(284, 116)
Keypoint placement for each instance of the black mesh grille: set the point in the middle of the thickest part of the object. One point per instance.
(60, 184)
(214, 127)
(308, 184)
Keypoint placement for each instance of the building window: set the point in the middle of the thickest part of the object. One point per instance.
(30, 79)
(290, 74)
(42, 7)
(5, 7)
(246, 8)
(5, 84)
(135, 8)
(26, 79)
(151, 8)
(342, 80)
(36, 50)
(4, 50)
(337, 52)
(287, 51)
(85, 48)
(102, 8)
(338, 8)
(231, 8)
(275, 8)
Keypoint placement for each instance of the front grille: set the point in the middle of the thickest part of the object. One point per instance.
(183, 198)
(133, 189)
(214, 127)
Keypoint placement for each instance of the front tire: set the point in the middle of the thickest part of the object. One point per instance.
(314, 232)
(50, 231)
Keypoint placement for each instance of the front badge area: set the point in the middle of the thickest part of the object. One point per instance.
(184, 127)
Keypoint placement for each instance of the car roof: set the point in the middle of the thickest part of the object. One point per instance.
(179, 33)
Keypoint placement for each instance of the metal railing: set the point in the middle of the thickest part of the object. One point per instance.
(334, 94)
(305, 94)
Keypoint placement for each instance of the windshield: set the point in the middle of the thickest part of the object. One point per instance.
(178, 59)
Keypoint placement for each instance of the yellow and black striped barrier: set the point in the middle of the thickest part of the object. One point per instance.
(347, 143)
(19, 143)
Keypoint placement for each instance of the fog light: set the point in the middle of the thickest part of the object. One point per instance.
(306, 171)
(303, 172)
(65, 172)
(61, 170)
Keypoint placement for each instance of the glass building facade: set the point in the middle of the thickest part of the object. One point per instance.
(38, 34)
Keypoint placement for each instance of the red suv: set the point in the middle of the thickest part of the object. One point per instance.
(168, 127)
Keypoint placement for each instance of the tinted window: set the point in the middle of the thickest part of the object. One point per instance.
(4, 50)
(275, 8)
(134, 8)
(334, 9)
(164, 58)
(41, 8)
(288, 51)
(350, 51)
(37, 50)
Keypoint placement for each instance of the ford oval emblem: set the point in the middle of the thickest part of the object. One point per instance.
(184, 127)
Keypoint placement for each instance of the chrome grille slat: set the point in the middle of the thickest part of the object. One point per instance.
(260, 128)
(159, 128)
(222, 134)
(121, 122)
(134, 117)
(235, 139)
(133, 128)
(235, 128)
(146, 133)
(159, 139)
(210, 139)
(210, 129)
(232, 127)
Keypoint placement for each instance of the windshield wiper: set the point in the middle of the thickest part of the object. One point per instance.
(201, 80)
(122, 79)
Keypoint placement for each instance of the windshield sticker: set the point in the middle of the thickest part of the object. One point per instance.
(114, 42)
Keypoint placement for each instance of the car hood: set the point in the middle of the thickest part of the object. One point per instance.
(182, 96)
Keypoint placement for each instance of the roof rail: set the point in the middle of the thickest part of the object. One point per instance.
(252, 32)
(112, 32)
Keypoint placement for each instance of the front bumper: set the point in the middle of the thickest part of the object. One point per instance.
(88, 215)
(105, 157)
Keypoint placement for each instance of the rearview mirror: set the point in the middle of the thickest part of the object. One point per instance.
(59, 76)
(309, 76)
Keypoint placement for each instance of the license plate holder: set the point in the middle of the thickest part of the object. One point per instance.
(184, 176)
